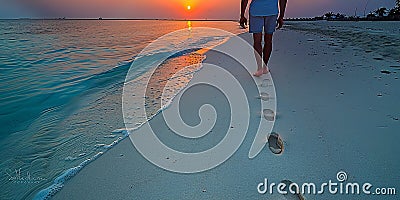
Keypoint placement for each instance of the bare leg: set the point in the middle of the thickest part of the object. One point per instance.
(258, 52)
(267, 51)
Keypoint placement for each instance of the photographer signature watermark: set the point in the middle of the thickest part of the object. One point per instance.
(331, 187)
(18, 176)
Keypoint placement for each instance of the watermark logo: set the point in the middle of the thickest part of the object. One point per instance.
(330, 187)
(18, 176)
(188, 123)
(341, 176)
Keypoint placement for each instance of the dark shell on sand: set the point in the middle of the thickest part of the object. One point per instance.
(275, 143)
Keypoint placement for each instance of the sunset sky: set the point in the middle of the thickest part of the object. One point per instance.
(177, 9)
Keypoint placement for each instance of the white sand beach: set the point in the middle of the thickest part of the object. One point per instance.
(337, 110)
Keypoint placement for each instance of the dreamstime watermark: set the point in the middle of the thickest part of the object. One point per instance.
(332, 187)
(225, 83)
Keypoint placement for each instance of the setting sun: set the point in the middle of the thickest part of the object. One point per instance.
(189, 7)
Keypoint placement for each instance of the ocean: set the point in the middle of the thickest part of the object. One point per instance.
(61, 86)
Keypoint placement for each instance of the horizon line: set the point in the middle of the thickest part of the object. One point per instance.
(101, 18)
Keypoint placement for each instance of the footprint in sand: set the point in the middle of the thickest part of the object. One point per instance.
(269, 114)
(265, 83)
(263, 96)
(289, 195)
(275, 143)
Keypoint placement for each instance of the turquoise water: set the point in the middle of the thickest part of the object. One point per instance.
(61, 84)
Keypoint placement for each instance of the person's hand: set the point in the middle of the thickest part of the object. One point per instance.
(243, 22)
(280, 23)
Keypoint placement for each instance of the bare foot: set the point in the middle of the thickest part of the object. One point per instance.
(258, 73)
(265, 70)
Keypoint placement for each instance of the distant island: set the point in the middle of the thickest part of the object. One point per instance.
(380, 14)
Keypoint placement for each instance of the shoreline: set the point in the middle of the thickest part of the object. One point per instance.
(285, 125)
(121, 134)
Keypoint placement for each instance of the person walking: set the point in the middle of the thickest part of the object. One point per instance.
(263, 18)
